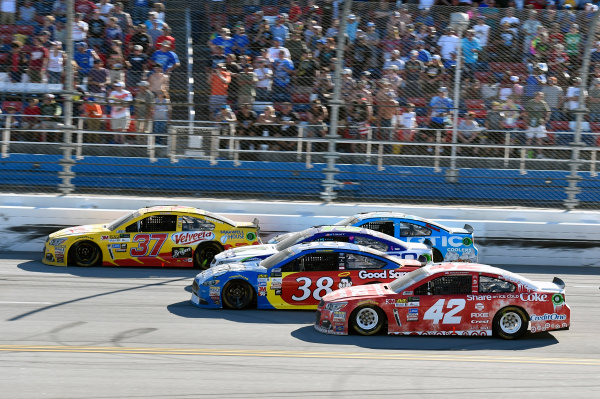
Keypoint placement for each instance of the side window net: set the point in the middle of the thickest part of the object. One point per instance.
(318, 262)
(159, 223)
(384, 227)
(494, 285)
(446, 285)
(196, 224)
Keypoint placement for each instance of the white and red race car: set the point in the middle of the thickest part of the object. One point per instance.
(448, 299)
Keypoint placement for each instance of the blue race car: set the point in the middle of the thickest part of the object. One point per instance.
(448, 244)
(351, 234)
(297, 277)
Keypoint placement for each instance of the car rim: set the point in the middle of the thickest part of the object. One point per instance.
(85, 253)
(367, 319)
(237, 295)
(510, 322)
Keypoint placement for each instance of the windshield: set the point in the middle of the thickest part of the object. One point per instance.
(122, 220)
(349, 221)
(293, 239)
(401, 283)
(275, 259)
(221, 218)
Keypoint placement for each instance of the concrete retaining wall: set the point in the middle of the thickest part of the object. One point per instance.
(503, 235)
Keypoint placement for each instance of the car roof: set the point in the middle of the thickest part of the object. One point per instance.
(338, 246)
(396, 215)
(478, 268)
(185, 209)
(357, 230)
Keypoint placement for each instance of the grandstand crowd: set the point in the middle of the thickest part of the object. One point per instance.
(123, 57)
(271, 70)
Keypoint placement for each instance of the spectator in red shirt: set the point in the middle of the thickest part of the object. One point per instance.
(38, 61)
(18, 62)
(165, 36)
(31, 120)
(85, 6)
(295, 11)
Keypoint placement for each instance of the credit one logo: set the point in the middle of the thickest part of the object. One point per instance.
(548, 316)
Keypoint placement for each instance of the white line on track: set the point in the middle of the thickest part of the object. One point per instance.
(25, 303)
(585, 286)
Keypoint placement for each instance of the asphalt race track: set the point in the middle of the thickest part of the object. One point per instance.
(131, 333)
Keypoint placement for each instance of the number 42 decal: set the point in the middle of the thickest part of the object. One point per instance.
(436, 312)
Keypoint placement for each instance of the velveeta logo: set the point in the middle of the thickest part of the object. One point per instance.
(192, 237)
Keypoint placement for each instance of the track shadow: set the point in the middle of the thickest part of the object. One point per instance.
(421, 343)
(107, 272)
(188, 310)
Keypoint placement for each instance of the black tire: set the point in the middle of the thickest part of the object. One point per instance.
(367, 320)
(205, 253)
(510, 323)
(237, 294)
(85, 253)
(437, 256)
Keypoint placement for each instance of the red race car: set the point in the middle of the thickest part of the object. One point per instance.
(448, 299)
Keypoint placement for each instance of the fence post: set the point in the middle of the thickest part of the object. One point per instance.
(6, 136)
(67, 161)
(79, 147)
(172, 145)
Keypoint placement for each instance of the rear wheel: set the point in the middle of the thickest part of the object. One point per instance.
(510, 323)
(367, 320)
(85, 253)
(237, 294)
(205, 253)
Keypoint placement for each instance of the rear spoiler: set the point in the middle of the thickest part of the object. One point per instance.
(255, 222)
(559, 282)
(469, 228)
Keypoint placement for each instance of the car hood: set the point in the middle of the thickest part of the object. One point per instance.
(247, 251)
(227, 268)
(80, 230)
(369, 291)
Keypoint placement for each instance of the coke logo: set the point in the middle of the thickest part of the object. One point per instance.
(192, 237)
(533, 297)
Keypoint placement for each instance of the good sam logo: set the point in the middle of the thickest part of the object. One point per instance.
(192, 237)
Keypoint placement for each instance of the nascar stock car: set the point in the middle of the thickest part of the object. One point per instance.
(448, 299)
(351, 234)
(165, 236)
(448, 244)
(297, 277)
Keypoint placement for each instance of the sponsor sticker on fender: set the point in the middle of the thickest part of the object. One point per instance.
(187, 238)
(548, 316)
(412, 315)
(383, 274)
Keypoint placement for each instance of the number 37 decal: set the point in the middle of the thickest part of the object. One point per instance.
(436, 312)
(148, 244)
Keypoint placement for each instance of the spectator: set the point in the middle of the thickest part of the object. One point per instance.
(119, 98)
(115, 62)
(143, 107)
(112, 32)
(105, 7)
(247, 85)
(157, 80)
(493, 127)
(510, 18)
(394, 60)
(391, 75)
(159, 9)
(413, 73)
(38, 62)
(48, 26)
(140, 10)
(296, 47)
(511, 113)
(404, 122)
(246, 119)
(59, 9)
(234, 68)
(8, 10)
(482, 31)
(141, 38)
(166, 58)
(267, 126)
(389, 46)
(50, 113)
(123, 18)
(434, 75)
(44, 38)
(84, 8)
(283, 69)
(306, 72)
(31, 119)
(92, 112)
(359, 115)
(154, 29)
(56, 62)
(441, 106)
(572, 98)
(506, 43)
(386, 110)
(529, 29)
(264, 74)
(352, 27)
(317, 117)
(280, 29)
(558, 57)
(80, 29)
(554, 96)
(448, 43)
(220, 81)
(470, 48)
(136, 66)
(96, 27)
(540, 45)
(424, 55)
(573, 43)
(594, 101)
(273, 52)
(27, 13)
(241, 41)
(538, 113)
(535, 80)
(153, 21)
(288, 125)
(18, 62)
(469, 132)
(11, 120)
(98, 79)
(60, 33)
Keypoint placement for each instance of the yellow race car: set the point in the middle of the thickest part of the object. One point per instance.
(164, 236)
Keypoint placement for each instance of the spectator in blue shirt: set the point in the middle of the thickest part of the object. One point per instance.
(470, 49)
(424, 55)
(166, 58)
(224, 39)
(280, 29)
(241, 42)
(84, 57)
(352, 27)
(283, 68)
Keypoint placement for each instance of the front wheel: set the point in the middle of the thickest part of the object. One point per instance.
(237, 294)
(510, 323)
(85, 253)
(367, 320)
(205, 253)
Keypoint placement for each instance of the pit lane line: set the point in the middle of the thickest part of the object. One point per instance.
(300, 354)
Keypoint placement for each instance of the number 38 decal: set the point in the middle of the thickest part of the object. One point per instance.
(436, 312)
(323, 287)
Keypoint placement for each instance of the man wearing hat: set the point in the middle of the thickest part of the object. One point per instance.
(273, 52)
(280, 29)
(470, 48)
(220, 79)
(166, 58)
(440, 106)
(119, 100)
(413, 74)
(136, 65)
(143, 107)
(38, 61)
(84, 57)
(166, 36)
(50, 113)
(352, 27)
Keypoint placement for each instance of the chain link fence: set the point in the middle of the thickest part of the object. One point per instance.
(433, 110)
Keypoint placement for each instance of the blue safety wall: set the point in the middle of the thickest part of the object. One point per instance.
(291, 180)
